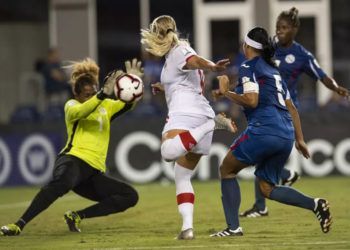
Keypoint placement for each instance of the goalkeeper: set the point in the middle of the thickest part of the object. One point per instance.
(80, 166)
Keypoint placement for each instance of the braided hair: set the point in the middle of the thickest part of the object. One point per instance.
(260, 35)
(291, 16)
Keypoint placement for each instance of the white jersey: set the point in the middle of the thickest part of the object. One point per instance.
(184, 88)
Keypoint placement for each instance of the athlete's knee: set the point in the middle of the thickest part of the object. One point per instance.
(133, 197)
(54, 190)
(227, 169)
(57, 188)
(265, 188)
(168, 150)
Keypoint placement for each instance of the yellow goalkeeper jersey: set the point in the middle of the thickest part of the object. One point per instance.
(88, 128)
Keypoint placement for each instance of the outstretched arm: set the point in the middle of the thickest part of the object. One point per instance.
(333, 85)
(198, 62)
(299, 137)
(75, 110)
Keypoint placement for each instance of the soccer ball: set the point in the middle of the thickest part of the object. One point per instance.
(128, 88)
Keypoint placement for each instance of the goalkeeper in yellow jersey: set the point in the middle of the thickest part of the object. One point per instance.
(80, 166)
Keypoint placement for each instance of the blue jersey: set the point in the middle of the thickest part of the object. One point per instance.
(270, 117)
(294, 61)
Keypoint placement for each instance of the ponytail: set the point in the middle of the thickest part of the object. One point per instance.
(268, 52)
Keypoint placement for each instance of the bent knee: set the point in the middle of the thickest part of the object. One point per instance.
(265, 188)
(167, 153)
(134, 198)
(57, 188)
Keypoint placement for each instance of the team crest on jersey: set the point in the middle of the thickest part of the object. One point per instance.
(102, 111)
(245, 79)
(290, 58)
(71, 102)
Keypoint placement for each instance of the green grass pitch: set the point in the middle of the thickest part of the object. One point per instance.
(154, 222)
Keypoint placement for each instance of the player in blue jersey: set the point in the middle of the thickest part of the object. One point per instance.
(273, 127)
(292, 60)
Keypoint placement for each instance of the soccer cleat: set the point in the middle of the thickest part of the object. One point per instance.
(323, 214)
(228, 232)
(291, 180)
(186, 234)
(10, 230)
(73, 221)
(254, 212)
(224, 123)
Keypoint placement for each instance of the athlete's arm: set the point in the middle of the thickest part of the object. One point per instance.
(75, 110)
(157, 87)
(249, 99)
(299, 137)
(313, 69)
(118, 108)
(333, 85)
(198, 62)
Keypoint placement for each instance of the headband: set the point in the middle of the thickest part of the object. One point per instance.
(252, 43)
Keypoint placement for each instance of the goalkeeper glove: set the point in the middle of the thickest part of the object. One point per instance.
(134, 67)
(107, 89)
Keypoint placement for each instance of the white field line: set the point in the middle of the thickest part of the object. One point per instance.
(324, 243)
(26, 203)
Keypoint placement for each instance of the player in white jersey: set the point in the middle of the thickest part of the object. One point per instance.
(187, 135)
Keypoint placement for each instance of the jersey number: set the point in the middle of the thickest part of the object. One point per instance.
(280, 91)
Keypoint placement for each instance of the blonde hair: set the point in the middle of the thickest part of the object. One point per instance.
(161, 36)
(86, 67)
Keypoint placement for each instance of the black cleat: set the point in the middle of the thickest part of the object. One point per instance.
(323, 214)
(254, 212)
(73, 221)
(228, 232)
(291, 180)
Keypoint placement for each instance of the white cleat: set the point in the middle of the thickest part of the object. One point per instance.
(186, 234)
(224, 123)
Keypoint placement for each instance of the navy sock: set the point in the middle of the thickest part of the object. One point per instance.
(290, 196)
(260, 201)
(231, 200)
(285, 174)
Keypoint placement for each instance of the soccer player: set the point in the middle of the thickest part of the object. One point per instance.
(292, 60)
(273, 125)
(188, 132)
(80, 166)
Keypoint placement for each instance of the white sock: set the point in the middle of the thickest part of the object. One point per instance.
(184, 195)
(173, 148)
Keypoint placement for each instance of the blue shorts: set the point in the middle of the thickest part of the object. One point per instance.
(268, 152)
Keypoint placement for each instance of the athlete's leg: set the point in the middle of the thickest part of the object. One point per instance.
(113, 196)
(269, 173)
(178, 142)
(183, 169)
(260, 202)
(286, 195)
(66, 174)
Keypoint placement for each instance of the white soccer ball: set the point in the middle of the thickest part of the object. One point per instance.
(129, 88)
